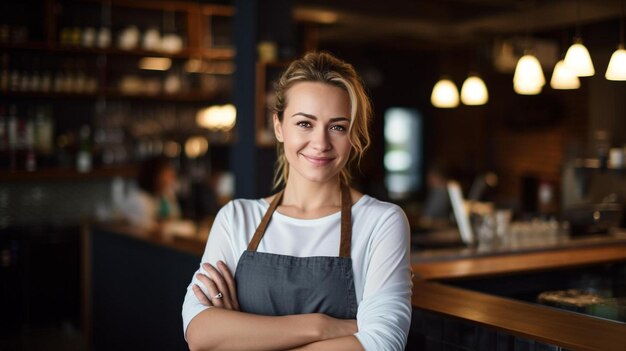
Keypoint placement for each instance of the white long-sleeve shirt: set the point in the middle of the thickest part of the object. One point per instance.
(380, 259)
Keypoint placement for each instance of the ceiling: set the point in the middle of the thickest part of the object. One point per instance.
(447, 22)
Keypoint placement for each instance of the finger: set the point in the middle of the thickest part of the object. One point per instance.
(217, 277)
(201, 296)
(230, 282)
(211, 288)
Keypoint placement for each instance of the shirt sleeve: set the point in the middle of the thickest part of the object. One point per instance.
(384, 313)
(219, 247)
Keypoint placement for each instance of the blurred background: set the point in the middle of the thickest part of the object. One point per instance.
(131, 122)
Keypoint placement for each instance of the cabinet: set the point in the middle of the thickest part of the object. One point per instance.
(117, 79)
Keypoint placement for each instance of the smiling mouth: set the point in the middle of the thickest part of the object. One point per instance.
(319, 161)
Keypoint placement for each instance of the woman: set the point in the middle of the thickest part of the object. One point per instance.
(291, 289)
(154, 203)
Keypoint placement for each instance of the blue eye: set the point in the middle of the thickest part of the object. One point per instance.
(304, 124)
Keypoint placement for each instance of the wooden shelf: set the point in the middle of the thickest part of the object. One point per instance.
(186, 53)
(115, 94)
(169, 5)
(68, 174)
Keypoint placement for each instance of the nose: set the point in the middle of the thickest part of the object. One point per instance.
(320, 140)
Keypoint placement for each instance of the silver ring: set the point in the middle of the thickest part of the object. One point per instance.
(218, 296)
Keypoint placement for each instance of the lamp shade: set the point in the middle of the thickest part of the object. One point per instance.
(445, 94)
(578, 60)
(528, 78)
(617, 65)
(563, 78)
(474, 91)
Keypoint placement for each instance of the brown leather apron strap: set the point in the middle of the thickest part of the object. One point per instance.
(346, 222)
(260, 230)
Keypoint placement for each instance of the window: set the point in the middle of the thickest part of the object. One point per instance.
(403, 152)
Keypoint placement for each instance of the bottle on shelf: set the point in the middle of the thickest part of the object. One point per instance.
(12, 127)
(4, 142)
(84, 157)
(28, 145)
(34, 81)
(104, 38)
(44, 131)
(24, 81)
(4, 73)
(14, 78)
(46, 79)
(89, 37)
(4, 138)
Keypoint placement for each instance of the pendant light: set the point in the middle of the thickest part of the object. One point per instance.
(445, 94)
(563, 78)
(528, 78)
(577, 57)
(474, 91)
(617, 65)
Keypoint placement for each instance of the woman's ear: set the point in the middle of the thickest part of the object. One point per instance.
(278, 128)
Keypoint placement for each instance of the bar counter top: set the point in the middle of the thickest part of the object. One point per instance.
(451, 263)
(434, 268)
(535, 254)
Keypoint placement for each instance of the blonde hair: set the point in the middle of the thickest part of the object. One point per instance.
(325, 68)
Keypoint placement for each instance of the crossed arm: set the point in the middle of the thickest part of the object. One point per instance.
(224, 327)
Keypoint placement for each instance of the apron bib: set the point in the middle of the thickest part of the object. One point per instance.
(277, 285)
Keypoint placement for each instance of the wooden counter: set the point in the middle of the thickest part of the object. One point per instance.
(512, 317)
(191, 245)
(431, 294)
(552, 326)
(134, 284)
(468, 268)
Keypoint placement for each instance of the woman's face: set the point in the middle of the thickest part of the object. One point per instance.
(314, 130)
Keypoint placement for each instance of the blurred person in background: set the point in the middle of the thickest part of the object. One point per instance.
(153, 202)
(437, 207)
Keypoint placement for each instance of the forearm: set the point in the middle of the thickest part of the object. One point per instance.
(347, 343)
(220, 329)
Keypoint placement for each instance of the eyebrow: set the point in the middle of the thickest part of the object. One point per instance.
(307, 115)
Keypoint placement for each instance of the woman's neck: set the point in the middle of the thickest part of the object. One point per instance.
(306, 196)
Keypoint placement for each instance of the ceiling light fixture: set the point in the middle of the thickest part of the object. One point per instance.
(445, 94)
(564, 78)
(528, 78)
(617, 65)
(474, 91)
(577, 57)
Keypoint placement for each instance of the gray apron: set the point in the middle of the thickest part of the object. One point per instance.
(277, 285)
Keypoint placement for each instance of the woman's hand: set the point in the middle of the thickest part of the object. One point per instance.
(217, 282)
